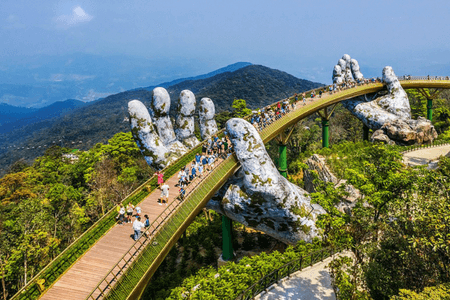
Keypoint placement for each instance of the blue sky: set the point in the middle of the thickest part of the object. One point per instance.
(303, 38)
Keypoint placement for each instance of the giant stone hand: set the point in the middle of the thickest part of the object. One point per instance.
(388, 115)
(259, 197)
(153, 131)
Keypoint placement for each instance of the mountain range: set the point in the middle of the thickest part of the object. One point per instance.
(95, 122)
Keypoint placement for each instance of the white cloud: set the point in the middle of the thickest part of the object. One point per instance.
(70, 77)
(78, 16)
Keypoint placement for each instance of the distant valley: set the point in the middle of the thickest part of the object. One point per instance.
(82, 125)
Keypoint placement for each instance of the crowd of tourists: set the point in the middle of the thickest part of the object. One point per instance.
(213, 149)
(125, 214)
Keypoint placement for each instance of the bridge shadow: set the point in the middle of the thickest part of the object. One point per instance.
(307, 285)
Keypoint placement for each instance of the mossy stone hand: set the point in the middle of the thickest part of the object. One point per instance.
(160, 142)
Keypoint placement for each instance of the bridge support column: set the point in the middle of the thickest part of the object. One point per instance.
(227, 239)
(430, 96)
(282, 140)
(325, 116)
(430, 109)
(325, 133)
(282, 160)
(365, 132)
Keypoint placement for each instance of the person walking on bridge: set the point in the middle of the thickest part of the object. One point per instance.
(165, 193)
(137, 225)
(160, 178)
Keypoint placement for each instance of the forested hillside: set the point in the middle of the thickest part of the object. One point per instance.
(46, 206)
(100, 120)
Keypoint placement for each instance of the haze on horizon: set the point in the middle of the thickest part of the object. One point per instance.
(152, 42)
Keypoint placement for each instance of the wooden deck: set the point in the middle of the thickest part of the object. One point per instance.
(84, 276)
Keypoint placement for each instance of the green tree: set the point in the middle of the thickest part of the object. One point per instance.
(240, 109)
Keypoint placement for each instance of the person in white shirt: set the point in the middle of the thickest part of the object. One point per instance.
(164, 193)
(137, 225)
(138, 211)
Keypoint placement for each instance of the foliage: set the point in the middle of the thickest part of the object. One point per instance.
(398, 230)
(230, 280)
(46, 206)
(441, 110)
(240, 109)
(441, 291)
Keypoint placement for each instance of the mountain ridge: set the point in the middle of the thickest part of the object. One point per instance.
(100, 120)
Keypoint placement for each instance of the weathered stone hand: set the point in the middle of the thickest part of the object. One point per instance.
(259, 197)
(154, 134)
(388, 115)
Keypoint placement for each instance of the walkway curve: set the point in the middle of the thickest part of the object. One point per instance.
(426, 156)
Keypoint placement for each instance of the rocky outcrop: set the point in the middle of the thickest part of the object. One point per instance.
(406, 132)
(317, 168)
(317, 164)
(390, 113)
(259, 197)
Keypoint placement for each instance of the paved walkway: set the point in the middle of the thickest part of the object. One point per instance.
(82, 278)
(426, 156)
(310, 283)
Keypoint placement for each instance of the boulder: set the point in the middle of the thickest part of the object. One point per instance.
(317, 164)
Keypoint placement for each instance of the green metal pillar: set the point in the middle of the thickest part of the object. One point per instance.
(325, 134)
(430, 109)
(365, 132)
(282, 160)
(227, 238)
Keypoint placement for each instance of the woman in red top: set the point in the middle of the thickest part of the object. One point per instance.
(160, 178)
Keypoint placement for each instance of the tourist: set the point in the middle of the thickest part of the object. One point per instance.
(193, 171)
(211, 160)
(160, 178)
(147, 221)
(164, 193)
(197, 158)
(138, 211)
(137, 225)
(200, 170)
(182, 193)
(130, 209)
(121, 215)
(181, 176)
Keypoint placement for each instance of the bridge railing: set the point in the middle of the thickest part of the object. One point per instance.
(409, 77)
(425, 146)
(286, 270)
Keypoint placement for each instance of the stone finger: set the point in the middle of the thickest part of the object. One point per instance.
(144, 134)
(357, 75)
(207, 110)
(184, 123)
(160, 107)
